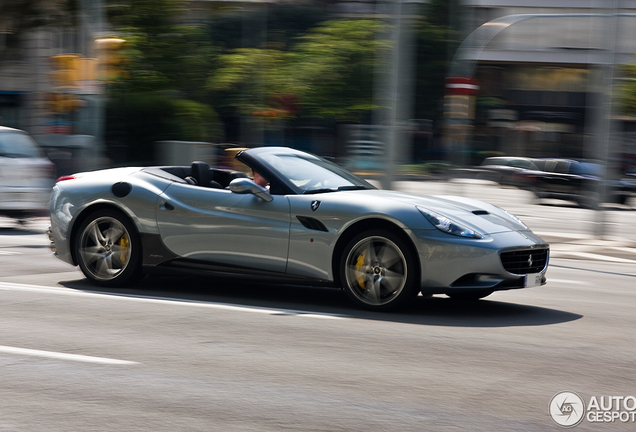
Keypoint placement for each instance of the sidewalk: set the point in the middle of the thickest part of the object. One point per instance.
(586, 247)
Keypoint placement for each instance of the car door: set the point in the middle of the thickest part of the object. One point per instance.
(550, 182)
(218, 226)
(563, 180)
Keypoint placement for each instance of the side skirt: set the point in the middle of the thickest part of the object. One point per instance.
(157, 259)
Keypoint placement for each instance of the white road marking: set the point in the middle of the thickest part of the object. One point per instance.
(590, 256)
(166, 300)
(63, 356)
(567, 281)
(625, 249)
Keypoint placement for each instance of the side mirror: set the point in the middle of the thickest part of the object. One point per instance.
(245, 186)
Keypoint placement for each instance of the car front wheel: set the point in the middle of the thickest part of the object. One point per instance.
(378, 271)
(107, 248)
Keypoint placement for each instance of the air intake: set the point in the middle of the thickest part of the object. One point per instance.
(312, 224)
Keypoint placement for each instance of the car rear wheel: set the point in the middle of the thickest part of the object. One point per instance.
(108, 249)
(378, 271)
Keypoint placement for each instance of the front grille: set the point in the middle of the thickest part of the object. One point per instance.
(525, 261)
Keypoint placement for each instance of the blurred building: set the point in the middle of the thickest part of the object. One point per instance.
(540, 77)
(49, 85)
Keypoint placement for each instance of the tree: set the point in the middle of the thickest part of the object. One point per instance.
(329, 71)
(248, 77)
(337, 64)
(164, 95)
(625, 90)
(274, 24)
(163, 54)
(437, 41)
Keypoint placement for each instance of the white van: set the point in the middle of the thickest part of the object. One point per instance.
(26, 176)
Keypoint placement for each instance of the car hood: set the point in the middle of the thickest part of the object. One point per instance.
(481, 216)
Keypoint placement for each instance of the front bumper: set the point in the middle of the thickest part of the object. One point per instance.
(459, 264)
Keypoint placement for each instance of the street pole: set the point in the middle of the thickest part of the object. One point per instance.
(398, 89)
(92, 22)
(392, 126)
(610, 30)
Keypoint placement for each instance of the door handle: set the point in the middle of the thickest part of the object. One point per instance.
(167, 206)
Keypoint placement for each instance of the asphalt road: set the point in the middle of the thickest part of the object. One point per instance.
(207, 354)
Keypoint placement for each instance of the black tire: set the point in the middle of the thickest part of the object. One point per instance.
(589, 200)
(538, 195)
(472, 295)
(108, 249)
(621, 199)
(378, 271)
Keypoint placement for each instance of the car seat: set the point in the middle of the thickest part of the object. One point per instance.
(200, 172)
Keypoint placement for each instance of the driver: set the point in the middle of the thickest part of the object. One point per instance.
(260, 180)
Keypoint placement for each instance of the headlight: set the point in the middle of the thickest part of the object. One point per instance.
(448, 226)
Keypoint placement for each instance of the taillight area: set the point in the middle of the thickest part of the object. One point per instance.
(66, 177)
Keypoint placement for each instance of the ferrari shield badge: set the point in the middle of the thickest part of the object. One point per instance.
(314, 205)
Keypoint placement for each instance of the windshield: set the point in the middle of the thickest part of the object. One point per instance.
(313, 174)
(18, 145)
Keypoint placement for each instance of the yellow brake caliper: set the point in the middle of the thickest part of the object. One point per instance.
(359, 269)
(124, 242)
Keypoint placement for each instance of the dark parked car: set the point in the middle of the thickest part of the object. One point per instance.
(574, 180)
(505, 169)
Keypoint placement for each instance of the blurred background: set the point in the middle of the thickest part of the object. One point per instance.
(387, 88)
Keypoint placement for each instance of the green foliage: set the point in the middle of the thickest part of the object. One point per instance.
(265, 60)
(163, 55)
(249, 76)
(137, 121)
(625, 90)
(152, 17)
(437, 42)
(164, 96)
(195, 121)
(330, 71)
(336, 64)
(246, 62)
(428, 168)
(273, 24)
(134, 122)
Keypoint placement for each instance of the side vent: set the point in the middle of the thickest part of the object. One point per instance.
(480, 212)
(312, 224)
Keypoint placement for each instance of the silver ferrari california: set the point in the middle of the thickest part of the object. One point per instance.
(313, 223)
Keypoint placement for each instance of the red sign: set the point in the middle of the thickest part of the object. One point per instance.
(62, 129)
(462, 86)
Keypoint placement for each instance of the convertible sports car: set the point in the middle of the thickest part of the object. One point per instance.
(316, 224)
